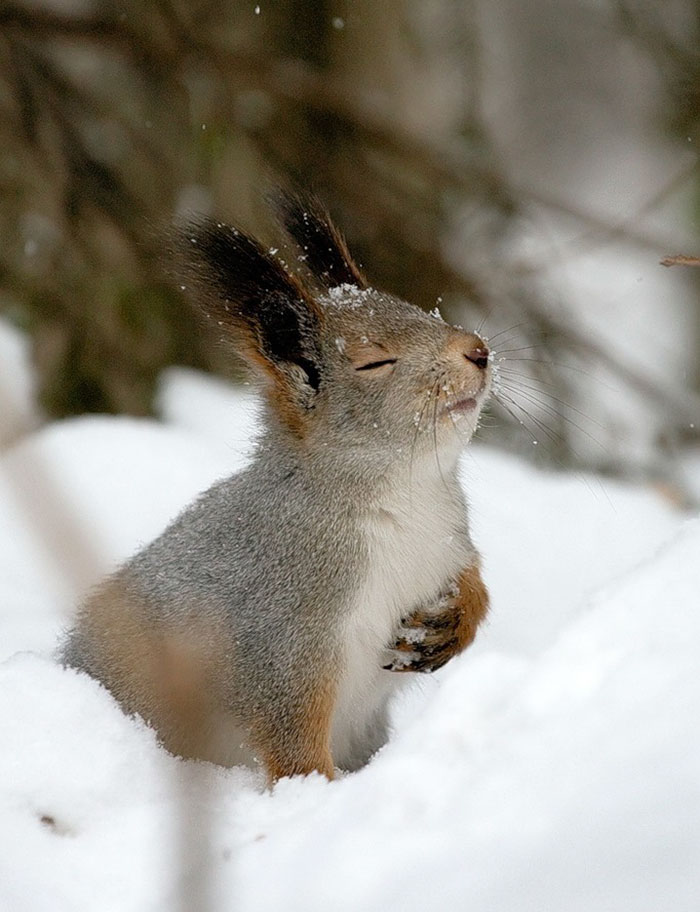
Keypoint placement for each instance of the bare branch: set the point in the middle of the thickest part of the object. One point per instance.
(680, 259)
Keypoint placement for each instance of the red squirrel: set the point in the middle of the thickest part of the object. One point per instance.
(277, 614)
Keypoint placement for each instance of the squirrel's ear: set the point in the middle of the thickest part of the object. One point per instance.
(324, 250)
(273, 319)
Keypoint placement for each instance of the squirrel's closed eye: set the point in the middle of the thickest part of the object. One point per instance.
(371, 356)
(374, 365)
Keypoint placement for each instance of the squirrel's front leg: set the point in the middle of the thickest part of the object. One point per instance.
(431, 636)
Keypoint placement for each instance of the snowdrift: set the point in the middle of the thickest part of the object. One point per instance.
(555, 765)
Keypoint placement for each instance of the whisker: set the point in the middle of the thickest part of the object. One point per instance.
(507, 351)
(508, 329)
(438, 383)
(553, 436)
(553, 411)
(569, 367)
(418, 423)
(535, 389)
(506, 406)
(556, 440)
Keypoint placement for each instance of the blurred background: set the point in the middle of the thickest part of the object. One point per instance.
(525, 167)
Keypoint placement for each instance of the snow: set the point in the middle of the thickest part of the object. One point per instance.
(347, 296)
(555, 765)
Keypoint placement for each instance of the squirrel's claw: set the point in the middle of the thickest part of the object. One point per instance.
(401, 662)
(425, 663)
(426, 642)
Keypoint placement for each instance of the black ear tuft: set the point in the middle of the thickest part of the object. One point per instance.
(325, 251)
(242, 287)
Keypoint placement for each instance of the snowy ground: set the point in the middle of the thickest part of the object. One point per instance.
(555, 766)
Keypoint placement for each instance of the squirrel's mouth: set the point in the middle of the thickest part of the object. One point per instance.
(462, 406)
(466, 402)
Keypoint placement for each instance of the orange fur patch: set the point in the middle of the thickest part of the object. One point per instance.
(279, 390)
(171, 677)
(302, 745)
(472, 602)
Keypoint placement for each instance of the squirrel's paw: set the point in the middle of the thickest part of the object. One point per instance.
(426, 641)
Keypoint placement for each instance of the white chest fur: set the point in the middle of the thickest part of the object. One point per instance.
(418, 542)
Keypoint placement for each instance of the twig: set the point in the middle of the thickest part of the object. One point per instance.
(680, 259)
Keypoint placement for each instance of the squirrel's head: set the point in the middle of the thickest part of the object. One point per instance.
(346, 370)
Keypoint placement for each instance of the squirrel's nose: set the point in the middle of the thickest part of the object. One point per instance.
(469, 346)
(479, 355)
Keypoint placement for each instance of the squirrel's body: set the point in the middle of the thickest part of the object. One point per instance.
(266, 621)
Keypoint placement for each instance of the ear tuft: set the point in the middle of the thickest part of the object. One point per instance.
(249, 293)
(325, 252)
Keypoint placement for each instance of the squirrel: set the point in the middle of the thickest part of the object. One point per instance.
(275, 617)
